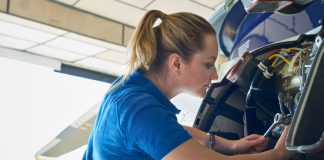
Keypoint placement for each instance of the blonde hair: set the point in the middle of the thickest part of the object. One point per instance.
(182, 33)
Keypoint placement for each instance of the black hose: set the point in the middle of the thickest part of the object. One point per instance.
(250, 119)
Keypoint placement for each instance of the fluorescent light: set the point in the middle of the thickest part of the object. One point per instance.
(103, 66)
(69, 2)
(15, 43)
(96, 42)
(209, 3)
(113, 56)
(56, 53)
(24, 33)
(76, 46)
(140, 4)
(181, 5)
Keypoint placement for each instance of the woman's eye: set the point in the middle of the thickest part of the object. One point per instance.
(208, 66)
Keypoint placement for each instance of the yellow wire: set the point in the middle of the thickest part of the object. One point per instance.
(280, 56)
(282, 52)
(274, 62)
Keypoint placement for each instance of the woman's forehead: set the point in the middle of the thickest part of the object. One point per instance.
(211, 47)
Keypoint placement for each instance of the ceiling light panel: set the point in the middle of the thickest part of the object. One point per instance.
(96, 42)
(31, 24)
(172, 6)
(103, 66)
(140, 4)
(75, 46)
(113, 9)
(24, 33)
(113, 56)
(53, 52)
(15, 43)
(219, 4)
(209, 3)
(69, 2)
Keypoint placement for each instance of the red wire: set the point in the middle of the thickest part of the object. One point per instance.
(273, 52)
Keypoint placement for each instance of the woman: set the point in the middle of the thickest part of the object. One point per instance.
(136, 119)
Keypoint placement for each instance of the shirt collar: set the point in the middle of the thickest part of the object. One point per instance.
(138, 79)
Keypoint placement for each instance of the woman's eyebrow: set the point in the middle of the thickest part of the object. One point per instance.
(212, 57)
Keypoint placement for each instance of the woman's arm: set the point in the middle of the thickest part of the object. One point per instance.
(253, 142)
(192, 150)
(222, 145)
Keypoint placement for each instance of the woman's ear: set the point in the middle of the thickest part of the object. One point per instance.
(174, 63)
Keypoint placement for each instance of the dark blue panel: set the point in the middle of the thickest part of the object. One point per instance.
(242, 32)
(229, 27)
(259, 29)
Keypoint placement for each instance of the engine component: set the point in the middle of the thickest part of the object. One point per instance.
(306, 134)
(287, 64)
(265, 5)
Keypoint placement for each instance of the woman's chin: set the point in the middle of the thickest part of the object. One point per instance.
(202, 94)
(198, 93)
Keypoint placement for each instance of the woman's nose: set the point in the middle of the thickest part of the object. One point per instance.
(214, 75)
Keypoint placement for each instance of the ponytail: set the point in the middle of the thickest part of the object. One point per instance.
(143, 45)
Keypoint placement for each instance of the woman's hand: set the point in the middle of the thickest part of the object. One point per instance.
(251, 144)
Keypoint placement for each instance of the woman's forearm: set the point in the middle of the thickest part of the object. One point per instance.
(222, 145)
(197, 135)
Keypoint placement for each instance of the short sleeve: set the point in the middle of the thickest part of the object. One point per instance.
(155, 131)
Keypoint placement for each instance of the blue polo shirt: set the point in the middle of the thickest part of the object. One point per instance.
(135, 122)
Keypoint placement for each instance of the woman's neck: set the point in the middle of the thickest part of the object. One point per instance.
(161, 80)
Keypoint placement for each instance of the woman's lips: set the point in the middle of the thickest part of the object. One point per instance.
(207, 86)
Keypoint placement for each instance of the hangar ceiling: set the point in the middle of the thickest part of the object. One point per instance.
(89, 34)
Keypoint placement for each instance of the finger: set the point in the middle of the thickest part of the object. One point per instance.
(257, 141)
(265, 142)
(260, 148)
(253, 136)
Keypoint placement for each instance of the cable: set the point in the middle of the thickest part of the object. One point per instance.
(274, 62)
(291, 65)
(280, 56)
